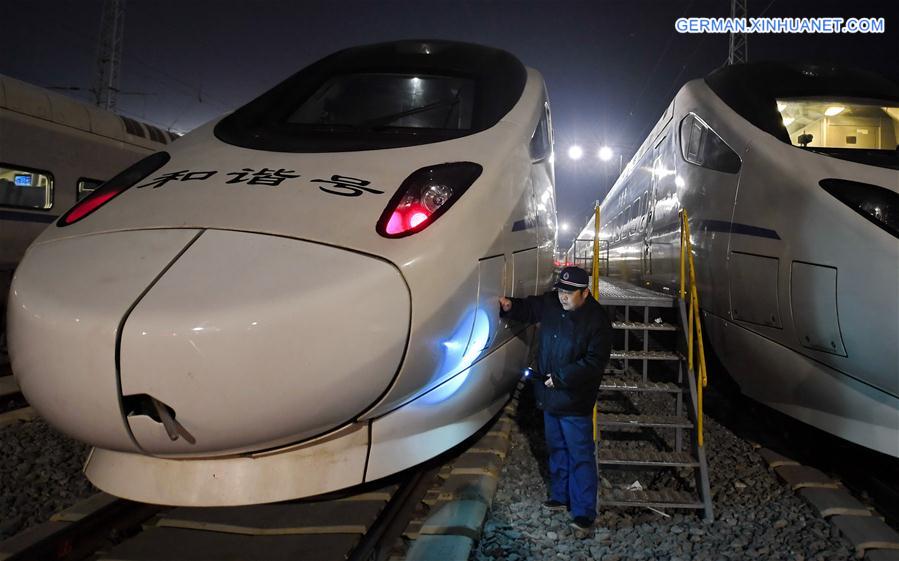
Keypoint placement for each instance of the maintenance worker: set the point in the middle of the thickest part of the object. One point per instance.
(575, 343)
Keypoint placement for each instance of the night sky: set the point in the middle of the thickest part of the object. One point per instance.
(611, 66)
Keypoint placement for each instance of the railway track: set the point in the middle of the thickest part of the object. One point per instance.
(359, 526)
(362, 524)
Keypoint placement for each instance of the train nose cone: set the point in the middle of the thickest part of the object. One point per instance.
(252, 341)
(240, 341)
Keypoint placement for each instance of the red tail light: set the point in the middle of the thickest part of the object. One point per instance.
(114, 187)
(424, 196)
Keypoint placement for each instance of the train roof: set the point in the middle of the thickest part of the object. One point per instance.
(499, 79)
(27, 99)
(752, 89)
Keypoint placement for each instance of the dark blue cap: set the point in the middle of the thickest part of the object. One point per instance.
(572, 278)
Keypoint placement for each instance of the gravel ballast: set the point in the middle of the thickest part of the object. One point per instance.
(756, 515)
(40, 474)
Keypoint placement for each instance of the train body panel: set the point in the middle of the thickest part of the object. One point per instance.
(803, 388)
(266, 300)
(817, 282)
(798, 286)
(295, 299)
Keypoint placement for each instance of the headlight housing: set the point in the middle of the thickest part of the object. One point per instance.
(878, 205)
(424, 196)
(113, 188)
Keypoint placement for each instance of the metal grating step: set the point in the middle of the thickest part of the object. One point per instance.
(615, 292)
(621, 383)
(652, 326)
(618, 420)
(640, 355)
(648, 458)
(659, 499)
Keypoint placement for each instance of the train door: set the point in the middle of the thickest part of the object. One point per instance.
(528, 238)
(489, 331)
(659, 221)
(647, 211)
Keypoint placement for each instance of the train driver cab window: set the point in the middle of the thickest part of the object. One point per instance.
(86, 187)
(541, 142)
(389, 101)
(860, 130)
(25, 188)
(700, 145)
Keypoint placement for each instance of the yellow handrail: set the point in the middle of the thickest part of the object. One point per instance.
(596, 253)
(694, 327)
(595, 289)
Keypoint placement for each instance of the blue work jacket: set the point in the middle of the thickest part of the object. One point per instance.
(574, 349)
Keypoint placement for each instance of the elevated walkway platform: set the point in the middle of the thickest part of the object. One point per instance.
(614, 292)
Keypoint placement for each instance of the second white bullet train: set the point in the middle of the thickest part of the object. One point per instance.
(790, 176)
(302, 296)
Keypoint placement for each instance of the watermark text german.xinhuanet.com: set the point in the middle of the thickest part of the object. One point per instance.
(780, 25)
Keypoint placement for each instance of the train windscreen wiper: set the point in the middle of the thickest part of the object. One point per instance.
(385, 120)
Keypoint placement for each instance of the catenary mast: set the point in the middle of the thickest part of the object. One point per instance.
(739, 47)
(109, 54)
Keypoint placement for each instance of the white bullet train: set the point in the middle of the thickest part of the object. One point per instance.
(790, 177)
(54, 150)
(301, 296)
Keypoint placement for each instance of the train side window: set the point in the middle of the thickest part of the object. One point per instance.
(691, 133)
(718, 156)
(541, 142)
(702, 146)
(25, 188)
(86, 186)
(133, 127)
(156, 134)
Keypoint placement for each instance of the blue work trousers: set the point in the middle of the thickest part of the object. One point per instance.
(572, 463)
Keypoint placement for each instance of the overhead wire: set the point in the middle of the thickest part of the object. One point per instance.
(675, 84)
(655, 67)
(178, 85)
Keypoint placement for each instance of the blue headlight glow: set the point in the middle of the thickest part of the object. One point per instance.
(457, 363)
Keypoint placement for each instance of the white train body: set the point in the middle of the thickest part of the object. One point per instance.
(798, 288)
(54, 150)
(300, 342)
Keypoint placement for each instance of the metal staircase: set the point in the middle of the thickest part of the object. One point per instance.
(658, 436)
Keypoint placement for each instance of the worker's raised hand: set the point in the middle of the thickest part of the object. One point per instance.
(505, 303)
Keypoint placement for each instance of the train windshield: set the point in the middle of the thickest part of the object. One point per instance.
(866, 131)
(375, 97)
(379, 101)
